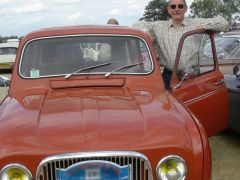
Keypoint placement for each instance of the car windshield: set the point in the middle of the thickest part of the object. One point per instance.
(66, 55)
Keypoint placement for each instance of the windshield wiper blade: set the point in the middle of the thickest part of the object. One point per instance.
(87, 68)
(123, 67)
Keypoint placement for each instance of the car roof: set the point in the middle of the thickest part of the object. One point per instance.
(9, 44)
(84, 30)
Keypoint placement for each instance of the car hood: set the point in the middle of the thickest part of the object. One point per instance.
(52, 122)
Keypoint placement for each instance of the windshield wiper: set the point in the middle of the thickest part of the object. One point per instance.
(87, 68)
(123, 67)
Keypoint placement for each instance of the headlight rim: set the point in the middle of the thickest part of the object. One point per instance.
(16, 165)
(171, 157)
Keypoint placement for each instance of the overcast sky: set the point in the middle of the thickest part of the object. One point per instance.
(19, 17)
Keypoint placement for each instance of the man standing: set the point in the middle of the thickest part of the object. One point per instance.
(166, 34)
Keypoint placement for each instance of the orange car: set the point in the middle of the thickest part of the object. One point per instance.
(72, 115)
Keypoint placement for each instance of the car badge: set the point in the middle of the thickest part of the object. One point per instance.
(94, 170)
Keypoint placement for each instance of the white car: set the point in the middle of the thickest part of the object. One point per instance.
(228, 51)
(8, 52)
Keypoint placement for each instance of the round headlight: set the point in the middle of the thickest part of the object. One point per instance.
(171, 168)
(15, 172)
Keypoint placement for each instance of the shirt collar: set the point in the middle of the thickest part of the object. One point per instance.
(184, 23)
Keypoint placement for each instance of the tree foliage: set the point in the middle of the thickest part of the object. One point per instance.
(229, 9)
(5, 38)
(156, 10)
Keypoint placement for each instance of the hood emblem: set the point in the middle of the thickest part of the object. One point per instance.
(94, 170)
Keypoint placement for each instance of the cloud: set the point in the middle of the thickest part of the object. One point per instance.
(74, 17)
(133, 5)
(21, 16)
(29, 8)
(115, 12)
(64, 2)
(4, 1)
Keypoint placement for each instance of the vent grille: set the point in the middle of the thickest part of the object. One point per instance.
(140, 166)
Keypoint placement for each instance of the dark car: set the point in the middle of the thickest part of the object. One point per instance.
(233, 85)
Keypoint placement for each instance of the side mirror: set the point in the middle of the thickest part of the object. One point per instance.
(190, 73)
(236, 71)
(4, 81)
(186, 74)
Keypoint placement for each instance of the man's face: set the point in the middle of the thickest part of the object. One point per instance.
(177, 9)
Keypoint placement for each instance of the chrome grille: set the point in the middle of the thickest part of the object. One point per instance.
(140, 166)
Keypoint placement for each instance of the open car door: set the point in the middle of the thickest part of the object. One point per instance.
(198, 83)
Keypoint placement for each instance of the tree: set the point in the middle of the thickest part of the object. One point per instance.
(229, 9)
(156, 10)
(5, 38)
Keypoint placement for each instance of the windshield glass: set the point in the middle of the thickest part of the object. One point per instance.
(65, 55)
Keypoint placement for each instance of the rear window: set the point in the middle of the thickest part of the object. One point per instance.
(64, 55)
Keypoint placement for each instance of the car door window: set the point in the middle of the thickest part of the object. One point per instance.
(196, 55)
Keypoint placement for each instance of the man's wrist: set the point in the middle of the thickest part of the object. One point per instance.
(201, 27)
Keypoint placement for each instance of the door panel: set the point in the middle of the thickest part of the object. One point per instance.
(199, 84)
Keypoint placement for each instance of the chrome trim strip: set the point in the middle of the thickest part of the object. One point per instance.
(94, 154)
(81, 35)
(202, 96)
(15, 166)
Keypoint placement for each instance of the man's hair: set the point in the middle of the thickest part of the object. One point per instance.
(112, 21)
(183, 1)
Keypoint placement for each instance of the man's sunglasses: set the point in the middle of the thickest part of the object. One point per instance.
(180, 6)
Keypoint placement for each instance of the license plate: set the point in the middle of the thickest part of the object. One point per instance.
(94, 170)
(92, 174)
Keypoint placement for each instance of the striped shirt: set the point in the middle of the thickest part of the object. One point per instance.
(166, 37)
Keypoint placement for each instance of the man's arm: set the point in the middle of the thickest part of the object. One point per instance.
(145, 26)
(217, 24)
(149, 28)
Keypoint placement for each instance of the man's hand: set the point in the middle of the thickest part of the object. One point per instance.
(200, 27)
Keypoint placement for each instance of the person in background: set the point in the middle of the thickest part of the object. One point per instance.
(166, 34)
(105, 51)
(112, 21)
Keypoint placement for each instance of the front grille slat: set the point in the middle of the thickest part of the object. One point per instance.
(139, 164)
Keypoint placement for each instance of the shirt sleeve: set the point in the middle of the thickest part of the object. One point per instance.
(144, 26)
(215, 24)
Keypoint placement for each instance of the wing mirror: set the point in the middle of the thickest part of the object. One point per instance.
(4, 81)
(189, 73)
(236, 71)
